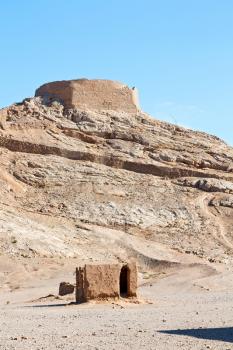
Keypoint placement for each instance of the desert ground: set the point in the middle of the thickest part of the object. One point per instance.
(181, 308)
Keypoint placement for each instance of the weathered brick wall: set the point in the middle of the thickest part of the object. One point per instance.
(103, 281)
(80, 294)
(91, 94)
(133, 280)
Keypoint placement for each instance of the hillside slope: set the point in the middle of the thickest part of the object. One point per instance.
(104, 184)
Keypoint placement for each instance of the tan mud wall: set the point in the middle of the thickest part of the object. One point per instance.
(101, 281)
(95, 95)
(59, 90)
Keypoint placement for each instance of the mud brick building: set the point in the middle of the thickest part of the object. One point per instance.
(106, 281)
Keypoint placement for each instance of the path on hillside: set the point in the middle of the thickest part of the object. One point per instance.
(221, 235)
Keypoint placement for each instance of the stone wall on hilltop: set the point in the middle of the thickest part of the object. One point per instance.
(95, 95)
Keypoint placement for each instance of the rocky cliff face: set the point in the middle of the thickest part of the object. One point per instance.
(100, 184)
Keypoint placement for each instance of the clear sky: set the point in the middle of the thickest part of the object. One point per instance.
(178, 53)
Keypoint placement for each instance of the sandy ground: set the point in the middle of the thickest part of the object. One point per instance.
(190, 308)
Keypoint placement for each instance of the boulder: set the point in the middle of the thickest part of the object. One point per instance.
(66, 288)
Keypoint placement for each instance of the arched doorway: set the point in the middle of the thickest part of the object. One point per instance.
(124, 277)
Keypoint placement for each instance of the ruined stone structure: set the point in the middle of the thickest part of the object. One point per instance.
(106, 281)
(95, 95)
(3, 118)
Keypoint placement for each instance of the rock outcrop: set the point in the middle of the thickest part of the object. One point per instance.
(94, 181)
(66, 288)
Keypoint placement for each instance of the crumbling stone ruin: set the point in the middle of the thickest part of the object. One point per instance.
(3, 117)
(106, 281)
(84, 94)
(66, 288)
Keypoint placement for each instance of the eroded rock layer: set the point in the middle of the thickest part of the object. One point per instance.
(81, 181)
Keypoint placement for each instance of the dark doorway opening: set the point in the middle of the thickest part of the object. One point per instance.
(124, 281)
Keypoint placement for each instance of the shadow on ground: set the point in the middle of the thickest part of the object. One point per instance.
(51, 305)
(220, 334)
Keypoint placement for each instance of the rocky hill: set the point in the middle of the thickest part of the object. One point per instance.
(86, 174)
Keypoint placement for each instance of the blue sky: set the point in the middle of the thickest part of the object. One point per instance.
(178, 53)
